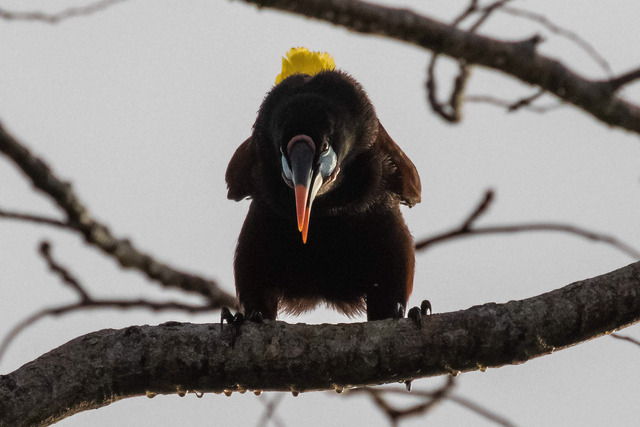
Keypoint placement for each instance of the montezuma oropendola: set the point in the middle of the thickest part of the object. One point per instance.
(326, 182)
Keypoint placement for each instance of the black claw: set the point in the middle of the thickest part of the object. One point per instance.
(426, 307)
(256, 317)
(237, 321)
(416, 316)
(416, 313)
(234, 320)
(407, 383)
(400, 311)
(225, 315)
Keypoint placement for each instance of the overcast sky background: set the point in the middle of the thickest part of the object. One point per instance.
(142, 105)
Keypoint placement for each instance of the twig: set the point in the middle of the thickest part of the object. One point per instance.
(270, 410)
(65, 275)
(97, 234)
(97, 304)
(431, 398)
(626, 338)
(482, 207)
(525, 102)
(87, 302)
(616, 83)
(575, 38)
(474, 407)
(486, 12)
(60, 16)
(467, 229)
(515, 105)
(452, 111)
(473, 7)
(36, 219)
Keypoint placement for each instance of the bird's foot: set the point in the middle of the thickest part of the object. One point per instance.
(236, 320)
(416, 313)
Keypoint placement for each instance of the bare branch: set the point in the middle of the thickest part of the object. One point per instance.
(519, 228)
(617, 82)
(65, 275)
(87, 302)
(452, 111)
(486, 13)
(395, 414)
(482, 207)
(474, 407)
(431, 397)
(525, 102)
(570, 35)
(625, 338)
(467, 229)
(516, 105)
(270, 411)
(472, 8)
(518, 59)
(36, 219)
(55, 18)
(97, 304)
(279, 356)
(97, 234)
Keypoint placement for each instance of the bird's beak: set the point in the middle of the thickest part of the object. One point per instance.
(306, 179)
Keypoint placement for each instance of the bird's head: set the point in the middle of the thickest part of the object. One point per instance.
(311, 119)
(307, 141)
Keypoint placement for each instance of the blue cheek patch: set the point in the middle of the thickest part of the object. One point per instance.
(328, 161)
(286, 170)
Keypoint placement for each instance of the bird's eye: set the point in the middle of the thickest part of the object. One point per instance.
(325, 146)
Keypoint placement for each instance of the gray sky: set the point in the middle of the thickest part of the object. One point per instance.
(141, 106)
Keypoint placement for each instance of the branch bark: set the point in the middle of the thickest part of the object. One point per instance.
(515, 58)
(102, 367)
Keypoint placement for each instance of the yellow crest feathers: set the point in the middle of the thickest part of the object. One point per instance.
(301, 60)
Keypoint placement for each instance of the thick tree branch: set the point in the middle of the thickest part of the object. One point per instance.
(99, 368)
(97, 234)
(516, 58)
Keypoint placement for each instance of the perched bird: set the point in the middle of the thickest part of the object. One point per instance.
(326, 182)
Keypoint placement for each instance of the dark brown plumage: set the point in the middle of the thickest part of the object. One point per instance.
(319, 167)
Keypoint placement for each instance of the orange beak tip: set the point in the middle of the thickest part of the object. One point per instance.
(305, 224)
(301, 204)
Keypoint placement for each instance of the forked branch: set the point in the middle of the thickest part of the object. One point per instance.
(97, 234)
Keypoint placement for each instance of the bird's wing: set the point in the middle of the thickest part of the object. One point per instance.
(405, 181)
(239, 175)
